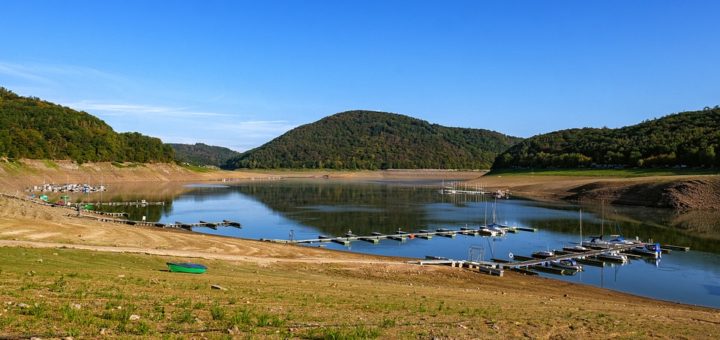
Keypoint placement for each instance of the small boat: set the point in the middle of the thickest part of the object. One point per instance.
(596, 242)
(487, 232)
(649, 250)
(617, 239)
(568, 264)
(496, 228)
(576, 249)
(543, 254)
(192, 268)
(613, 257)
(350, 234)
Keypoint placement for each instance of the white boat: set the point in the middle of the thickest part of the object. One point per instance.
(613, 257)
(576, 249)
(618, 239)
(649, 250)
(498, 229)
(568, 264)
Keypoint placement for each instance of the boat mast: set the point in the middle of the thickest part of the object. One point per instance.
(602, 219)
(581, 239)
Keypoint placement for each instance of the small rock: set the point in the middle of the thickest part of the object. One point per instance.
(121, 276)
(76, 306)
(234, 331)
(134, 317)
(566, 295)
(23, 305)
(56, 254)
(40, 260)
(218, 287)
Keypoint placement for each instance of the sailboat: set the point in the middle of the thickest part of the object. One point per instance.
(578, 248)
(494, 226)
(597, 241)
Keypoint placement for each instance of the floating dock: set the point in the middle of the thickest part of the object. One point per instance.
(400, 236)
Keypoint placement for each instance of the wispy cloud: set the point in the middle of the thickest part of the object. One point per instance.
(22, 72)
(47, 73)
(125, 109)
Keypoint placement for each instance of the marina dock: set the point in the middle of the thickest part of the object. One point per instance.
(400, 236)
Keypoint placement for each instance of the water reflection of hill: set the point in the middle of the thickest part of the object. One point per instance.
(334, 208)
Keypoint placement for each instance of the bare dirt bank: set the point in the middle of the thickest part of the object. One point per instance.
(24, 173)
(674, 192)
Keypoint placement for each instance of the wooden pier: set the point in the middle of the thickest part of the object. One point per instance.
(527, 262)
(141, 203)
(177, 225)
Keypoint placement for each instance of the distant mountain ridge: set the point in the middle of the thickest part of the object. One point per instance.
(683, 139)
(202, 154)
(37, 129)
(377, 140)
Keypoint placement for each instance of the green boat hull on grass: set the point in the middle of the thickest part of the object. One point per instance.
(192, 268)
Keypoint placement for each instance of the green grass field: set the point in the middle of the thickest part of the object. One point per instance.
(63, 292)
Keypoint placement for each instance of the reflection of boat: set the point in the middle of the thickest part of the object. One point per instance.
(543, 254)
(192, 268)
(613, 257)
(568, 264)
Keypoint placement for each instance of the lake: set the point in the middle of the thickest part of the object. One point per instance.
(304, 209)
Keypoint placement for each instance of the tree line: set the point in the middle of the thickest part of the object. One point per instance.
(37, 129)
(689, 139)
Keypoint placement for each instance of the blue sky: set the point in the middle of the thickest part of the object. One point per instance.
(237, 74)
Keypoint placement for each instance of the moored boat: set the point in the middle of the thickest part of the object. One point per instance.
(192, 268)
(543, 254)
(649, 250)
(613, 257)
(576, 249)
(568, 264)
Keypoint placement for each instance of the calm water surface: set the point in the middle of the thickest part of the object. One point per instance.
(306, 209)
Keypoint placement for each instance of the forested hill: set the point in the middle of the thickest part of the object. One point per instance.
(688, 138)
(203, 154)
(377, 140)
(33, 128)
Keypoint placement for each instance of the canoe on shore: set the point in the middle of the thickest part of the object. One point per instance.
(192, 268)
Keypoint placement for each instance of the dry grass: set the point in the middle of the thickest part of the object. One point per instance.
(87, 294)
